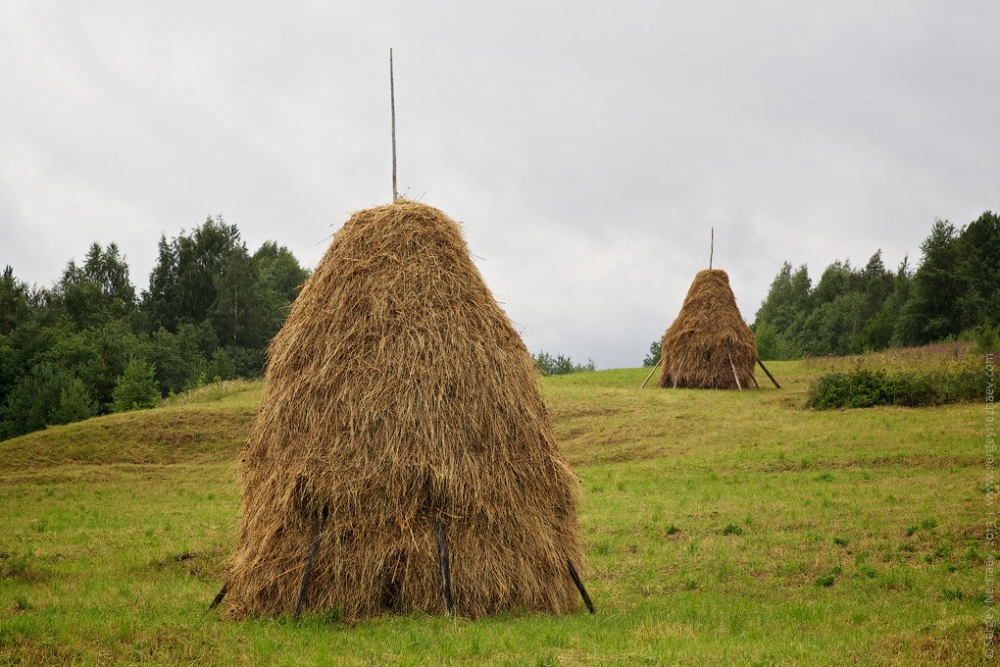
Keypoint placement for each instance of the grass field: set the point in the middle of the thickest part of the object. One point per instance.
(721, 528)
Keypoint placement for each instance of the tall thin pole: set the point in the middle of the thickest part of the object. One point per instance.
(392, 101)
(711, 250)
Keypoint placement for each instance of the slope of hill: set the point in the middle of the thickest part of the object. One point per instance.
(209, 424)
(719, 528)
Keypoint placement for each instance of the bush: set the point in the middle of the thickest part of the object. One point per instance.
(863, 388)
(136, 389)
(987, 338)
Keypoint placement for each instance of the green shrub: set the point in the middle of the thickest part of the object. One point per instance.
(865, 387)
(826, 580)
(987, 338)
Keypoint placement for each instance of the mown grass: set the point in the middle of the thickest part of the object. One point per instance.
(720, 528)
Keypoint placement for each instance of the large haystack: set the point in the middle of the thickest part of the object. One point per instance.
(401, 405)
(708, 346)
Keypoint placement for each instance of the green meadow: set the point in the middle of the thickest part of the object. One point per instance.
(720, 528)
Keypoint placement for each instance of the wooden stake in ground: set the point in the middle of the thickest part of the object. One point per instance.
(652, 371)
(392, 102)
(768, 373)
(449, 603)
(735, 374)
(218, 598)
(309, 564)
(580, 586)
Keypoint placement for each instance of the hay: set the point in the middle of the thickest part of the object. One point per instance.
(399, 397)
(708, 339)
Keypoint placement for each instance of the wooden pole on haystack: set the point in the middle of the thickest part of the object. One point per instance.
(711, 248)
(392, 102)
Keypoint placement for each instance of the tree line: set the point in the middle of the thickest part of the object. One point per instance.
(953, 294)
(560, 364)
(92, 344)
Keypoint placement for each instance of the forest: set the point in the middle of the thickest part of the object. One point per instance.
(953, 294)
(91, 344)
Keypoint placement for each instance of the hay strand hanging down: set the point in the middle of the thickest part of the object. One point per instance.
(399, 396)
(708, 346)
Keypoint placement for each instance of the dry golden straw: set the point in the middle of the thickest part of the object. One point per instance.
(398, 398)
(708, 346)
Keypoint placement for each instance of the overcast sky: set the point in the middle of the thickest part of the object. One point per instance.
(588, 147)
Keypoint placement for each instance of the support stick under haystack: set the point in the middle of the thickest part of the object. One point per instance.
(219, 596)
(735, 374)
(449, 604)
(309, 565)
(579, 585)
(651, 372)
(768, 373)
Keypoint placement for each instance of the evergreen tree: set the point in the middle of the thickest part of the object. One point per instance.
(74, 405)
(979, 268)
(15, 301)
(881, 330)
(783, 313)
(159, 303)
(136, 388)
(34, 398)
(239, 313)
(98, 291)
(932, 312)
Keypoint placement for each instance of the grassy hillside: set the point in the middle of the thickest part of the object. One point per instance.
(720, 528)
(207, 425)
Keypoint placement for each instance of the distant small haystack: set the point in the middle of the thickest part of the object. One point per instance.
(401, 434)
(708, 346)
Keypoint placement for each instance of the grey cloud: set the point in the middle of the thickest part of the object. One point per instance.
(587, 147)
